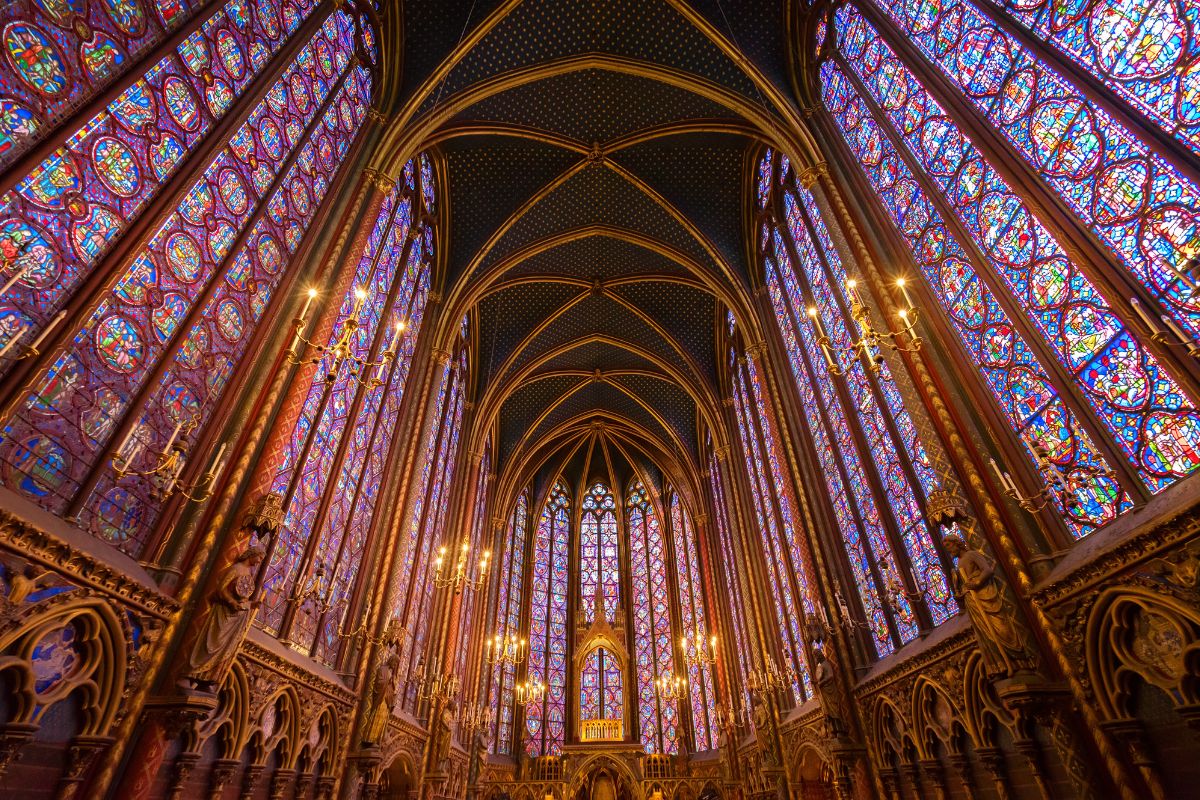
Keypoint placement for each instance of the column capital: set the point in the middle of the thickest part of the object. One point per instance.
(809, 175)
(380, 181)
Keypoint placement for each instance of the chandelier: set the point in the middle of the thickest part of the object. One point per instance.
(457, 577)
(342, 348)
(872, 341)
(671, 688)
(504, 649)
(167, 463)
(530, 693)
(696, 651)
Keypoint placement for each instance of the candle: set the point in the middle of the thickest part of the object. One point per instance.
(999, 473)
(312, 293)
(1175, 329)
(21, 273)
(1147, 320)
(16, 337)
(46, 331)
(360, 297)
(816, 321)
(174, 436)
(121, 448)
(902, 285)
(396, 337)
(852, 286)
(217, 462)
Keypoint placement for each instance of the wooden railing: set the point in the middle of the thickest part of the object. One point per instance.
(602, 730)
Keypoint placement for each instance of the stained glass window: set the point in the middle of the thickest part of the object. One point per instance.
(599, 566)
(738, 667)
(1123, 190)
(431, 515)
(882, 469)
(61, 217)
(545, 723)
(601, 687)
(1063, 361)
(782, 543)
(58, 55)
(159, 344)
(701, 688)
(508, 620)
(329, 478)
(653, 650)
(479, 528)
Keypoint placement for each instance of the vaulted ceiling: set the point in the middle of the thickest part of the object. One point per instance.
(596, 166)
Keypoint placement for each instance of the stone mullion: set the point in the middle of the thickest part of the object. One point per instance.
(868, 552)
(89, 294)
(382, 330)
(788, 573)
(632, 697)
(1122, 470)
(1013, 560)
(525, 614)
(687, 725)
(1179, 155)
(727, 675)
(571, 725)
(1112, 279)
(741, 490)
(199, 570)
(891, 527)
(931, 387)
(703, 589)
(885, 411)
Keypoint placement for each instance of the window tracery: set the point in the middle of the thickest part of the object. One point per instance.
(1067, 366)
(545, 723)
(510, 594)
(653, 649)
(158, 346)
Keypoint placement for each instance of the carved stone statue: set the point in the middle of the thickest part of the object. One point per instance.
(382, 697)
(443, 736)
(223, 624)
(762, 728)
(825, 678)
(1003, 640)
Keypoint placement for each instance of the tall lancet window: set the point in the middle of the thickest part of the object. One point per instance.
(695, 626)
(545, 722)
(874, 465)
(427, 522)
(508, 621)
(737, 665)
(329, 477)
(169, 219)
(658, 719)
(601, 687)
(967, 166)
(479, 541)
(599, 559)
(782, 541)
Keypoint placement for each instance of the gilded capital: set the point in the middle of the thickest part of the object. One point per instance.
(265, 515)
